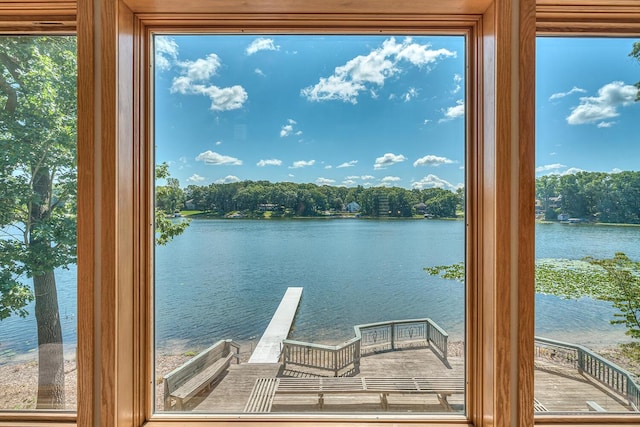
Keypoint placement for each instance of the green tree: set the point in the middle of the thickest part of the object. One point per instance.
(635, 53)
(166, 228)
(624, 276)
(616, 280)
(38, 186)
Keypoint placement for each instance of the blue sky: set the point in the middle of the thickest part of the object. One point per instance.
(374, 110)
(586, 116)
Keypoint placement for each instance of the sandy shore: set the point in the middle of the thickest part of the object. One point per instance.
(18, 381)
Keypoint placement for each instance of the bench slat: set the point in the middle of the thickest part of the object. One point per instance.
(266, 389)
(261, 399)
(202, 379)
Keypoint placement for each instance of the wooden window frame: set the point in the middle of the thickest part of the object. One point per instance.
(500, 185)
(115, 235)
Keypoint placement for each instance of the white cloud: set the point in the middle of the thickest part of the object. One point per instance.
(259, 72)
(387, 160)
(348, 182)
(605, 124)
(328, 167)
(411, 93)
(572, 171)
(431, 160)
(348, 164)
(432, 181)
(166, 52)
(194, 80)
(605, 106)
(359, 73)
(288, 129)
(457, 80)
(426, 121)
(302, 163)
(551, 167)
(218, 142)
(269, 162)
(616, 170)
(227, 179)
(453, 112)
(212, 158)
(389, 179)
(325, 181)
(561, 95)
(261, 44)
(367, 177)
(195, 178)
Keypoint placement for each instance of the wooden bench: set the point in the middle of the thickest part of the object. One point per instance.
(197, 374)
(263, 398)
(262, 395)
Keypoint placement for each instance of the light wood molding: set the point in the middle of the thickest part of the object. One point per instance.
(87, 225)
(55, 16)
(588, 17)
(305, 6)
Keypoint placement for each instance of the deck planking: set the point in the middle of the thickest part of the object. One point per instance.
(558, 389)
(270, 345)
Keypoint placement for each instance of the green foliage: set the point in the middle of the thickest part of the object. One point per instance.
(616, 280)
(595, 196)
(37, 162)
(635, 53)
(169, 199)
(38, 187)
(451, 272)
(624, 276)
(312, 200)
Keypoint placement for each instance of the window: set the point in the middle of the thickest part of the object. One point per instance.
(38, 331)
(587, 234)
(114, 222)
(327, 171)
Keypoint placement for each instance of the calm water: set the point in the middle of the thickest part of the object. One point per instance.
(224, 279)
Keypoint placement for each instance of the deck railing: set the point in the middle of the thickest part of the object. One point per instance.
(370, 338)
(399, 334)
(339, 359)
(586, 361)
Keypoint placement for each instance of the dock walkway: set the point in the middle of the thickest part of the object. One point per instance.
(270, 345)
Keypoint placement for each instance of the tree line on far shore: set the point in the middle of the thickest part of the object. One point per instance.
(592, 196)
(307, 200)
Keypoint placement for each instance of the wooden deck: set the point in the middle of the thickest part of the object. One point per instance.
(270, 345)
(556, 389)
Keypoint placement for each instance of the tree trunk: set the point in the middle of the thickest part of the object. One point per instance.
(50, 352)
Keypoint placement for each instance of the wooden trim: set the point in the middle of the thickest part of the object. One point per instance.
(506, 174)
(526, 155)
(55, 16)
(458, 7)
(588, 17)
(87, 332)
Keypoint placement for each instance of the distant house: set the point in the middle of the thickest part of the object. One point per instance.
(420, 208)
(353, 207)
(189, 205)
(563, 217)
(268, 207)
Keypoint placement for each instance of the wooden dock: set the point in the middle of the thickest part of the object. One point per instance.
(270, 345)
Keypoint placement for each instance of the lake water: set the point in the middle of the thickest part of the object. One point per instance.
(225, 279)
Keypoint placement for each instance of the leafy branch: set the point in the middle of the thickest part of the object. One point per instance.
(616, 280)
